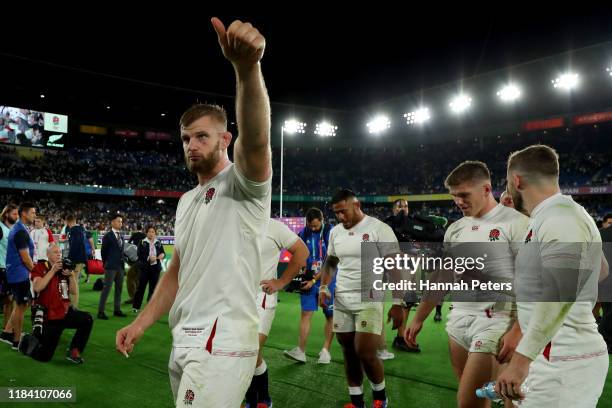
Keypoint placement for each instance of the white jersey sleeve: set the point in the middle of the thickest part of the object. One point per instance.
(252, 189)
(518, 232)
(387, 241)
(331, 249)
(282, 235)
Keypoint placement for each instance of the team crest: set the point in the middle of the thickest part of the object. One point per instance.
(529, 236)
(209, 195)
(494, 235)
(189, 397)
(365, 237)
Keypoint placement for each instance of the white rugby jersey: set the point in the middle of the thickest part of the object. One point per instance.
(564, 235)
(505, 229)
(41, 237)
(220, 227)
(346, 246)
(278, 237)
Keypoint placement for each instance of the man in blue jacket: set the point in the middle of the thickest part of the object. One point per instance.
(316, 237)
(19, 263)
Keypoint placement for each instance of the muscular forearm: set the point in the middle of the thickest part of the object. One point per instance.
(161, 301)
(27, 261)
(252, 107)
(40, 284)
(72, 285)
(293, 269)
(424, 309)
(327, 274)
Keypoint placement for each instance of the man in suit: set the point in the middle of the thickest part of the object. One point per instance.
(112, 257)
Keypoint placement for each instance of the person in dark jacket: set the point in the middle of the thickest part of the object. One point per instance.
(150, 254)
(134, 269)
(77, 252)
(113, 259)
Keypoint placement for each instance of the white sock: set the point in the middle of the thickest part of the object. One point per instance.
(356, 390)
(261, 368)
(378, 387)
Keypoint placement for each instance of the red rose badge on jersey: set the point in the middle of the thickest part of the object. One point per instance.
(209, 195)
(189, 397)
(494, 235)
(365, 237)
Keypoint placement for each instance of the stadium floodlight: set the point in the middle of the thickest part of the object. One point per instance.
(42, 96)
(460, 103)
(163, 115)
(609, 70)
(325, 129)
(418, 116)
(379, 124)
(509, 93)
(293, 126)
(566, 81)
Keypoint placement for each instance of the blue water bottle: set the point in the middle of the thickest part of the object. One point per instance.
(488, 391)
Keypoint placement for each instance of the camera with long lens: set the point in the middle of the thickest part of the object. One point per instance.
(296, 284)
(38, 319)
(67, 264)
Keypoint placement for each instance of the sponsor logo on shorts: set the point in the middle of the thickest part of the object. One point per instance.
(336, 325)
(475, 227)
(189, 397)
(478, 344)
(364, 323)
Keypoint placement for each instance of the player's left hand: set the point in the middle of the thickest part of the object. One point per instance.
(396, 314)
(509, 382)
(271, 286)
(241, 43)
(508, 344)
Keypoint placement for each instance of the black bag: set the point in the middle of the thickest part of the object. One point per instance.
(98, 285)
(29, 343)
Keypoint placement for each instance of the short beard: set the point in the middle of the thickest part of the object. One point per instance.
(206, 164)
(517, 199)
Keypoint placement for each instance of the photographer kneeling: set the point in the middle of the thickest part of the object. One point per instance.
(53, 282)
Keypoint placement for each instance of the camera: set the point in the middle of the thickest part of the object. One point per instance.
(38, 318)
(67, 264)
